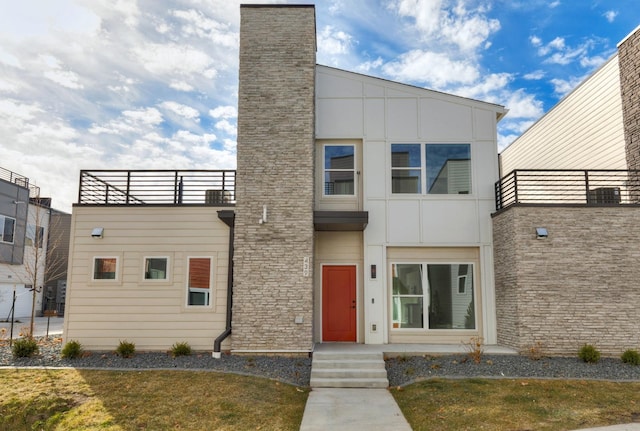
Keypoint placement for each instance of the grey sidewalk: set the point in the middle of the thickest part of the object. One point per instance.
(339, 409)
(55, 326)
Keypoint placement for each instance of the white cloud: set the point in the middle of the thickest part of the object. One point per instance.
(334, 42)
(563, 86)
(227, 127)
(431, 68)
(196, 23)
(129, 9)
(182, 110)
(611, 15)
(224, 112)
(370, 65)
(181, 86)
(592, 62)
(535, 75)
(66, 78)
(523, 105)
(425, 12)
(174, 59)
(554, 4)
(469, 32)
(535, 40)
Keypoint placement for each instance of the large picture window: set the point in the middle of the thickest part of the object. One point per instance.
(105, 268)
(7, 229)
(339, 170)
(199, 281)
(442, 297)
(443, 168)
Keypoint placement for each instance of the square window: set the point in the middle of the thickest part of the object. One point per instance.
(448, 168)
(105, 268)
(199, 281)
(155, 268)
(406, 172)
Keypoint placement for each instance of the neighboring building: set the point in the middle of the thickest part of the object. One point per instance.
(360, 212)
(24, 231)
(567, 233)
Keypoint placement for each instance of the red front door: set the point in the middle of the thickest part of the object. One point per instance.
(338, 303)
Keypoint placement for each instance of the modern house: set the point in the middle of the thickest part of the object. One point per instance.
(567, 231)
(25, 238)
(360, 211)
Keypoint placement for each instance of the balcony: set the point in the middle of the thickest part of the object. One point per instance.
(568, 187)
(162, 187)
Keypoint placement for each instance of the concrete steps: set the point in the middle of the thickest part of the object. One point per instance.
(348, 370)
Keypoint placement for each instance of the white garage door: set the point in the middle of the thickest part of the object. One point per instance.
(23, 301)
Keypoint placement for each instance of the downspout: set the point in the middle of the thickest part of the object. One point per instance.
(227, 217)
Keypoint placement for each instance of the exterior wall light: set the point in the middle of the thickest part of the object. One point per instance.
(97, 232)
(541, 233)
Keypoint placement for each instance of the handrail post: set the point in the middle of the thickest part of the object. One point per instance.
(175, 187)
(515, 187)
(586, 185)
(128, 187)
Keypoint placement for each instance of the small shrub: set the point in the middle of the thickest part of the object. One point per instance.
(126, 349)
(24, 347)
(535, 352)
(475, 349)
(589, 354)
(181, 349)
(72, 350)
(631, 356)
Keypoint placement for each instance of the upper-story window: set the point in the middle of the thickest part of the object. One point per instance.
(7, 229)
(339, 170)
(435, 168)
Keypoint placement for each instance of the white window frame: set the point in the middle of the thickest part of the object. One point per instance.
(156, 280)
(116, 277)
(13, 236)
(354, 170)
(209, 291)
(424, 180)
(426, 293)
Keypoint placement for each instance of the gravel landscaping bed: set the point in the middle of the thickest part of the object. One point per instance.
(296, 370)
(407, 369)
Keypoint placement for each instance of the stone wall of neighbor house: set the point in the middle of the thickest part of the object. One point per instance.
(579, 285)
(629, 58)
(273, 272)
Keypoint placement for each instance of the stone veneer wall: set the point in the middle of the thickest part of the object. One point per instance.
(629, 60)
(580, 285)
(275, 168)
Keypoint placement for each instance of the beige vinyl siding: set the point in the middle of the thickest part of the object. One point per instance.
(338, 248)
(437, 255)
(583, 131)
(151, 313)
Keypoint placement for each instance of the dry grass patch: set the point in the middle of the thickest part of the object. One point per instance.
(481, 404)
(146, 400)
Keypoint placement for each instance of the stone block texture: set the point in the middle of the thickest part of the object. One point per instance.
(580, 285)
(629, 61)
(272, 294)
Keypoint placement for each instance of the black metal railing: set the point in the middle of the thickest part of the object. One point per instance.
(21, 180)
(161, 187)
(568, 187)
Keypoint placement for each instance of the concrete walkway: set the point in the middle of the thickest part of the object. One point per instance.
(339, 409)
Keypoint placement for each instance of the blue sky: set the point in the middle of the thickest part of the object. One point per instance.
(152, 84)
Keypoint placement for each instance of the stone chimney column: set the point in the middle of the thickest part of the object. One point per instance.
(273, 268)
(629, 61)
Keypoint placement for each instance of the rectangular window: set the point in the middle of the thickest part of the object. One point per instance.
(339, 170)
(443, 298)
(155, 268)
(448, 168)
(105, 268)
(406, 168)
(34, 235)
(199, 281)
(7, 229)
